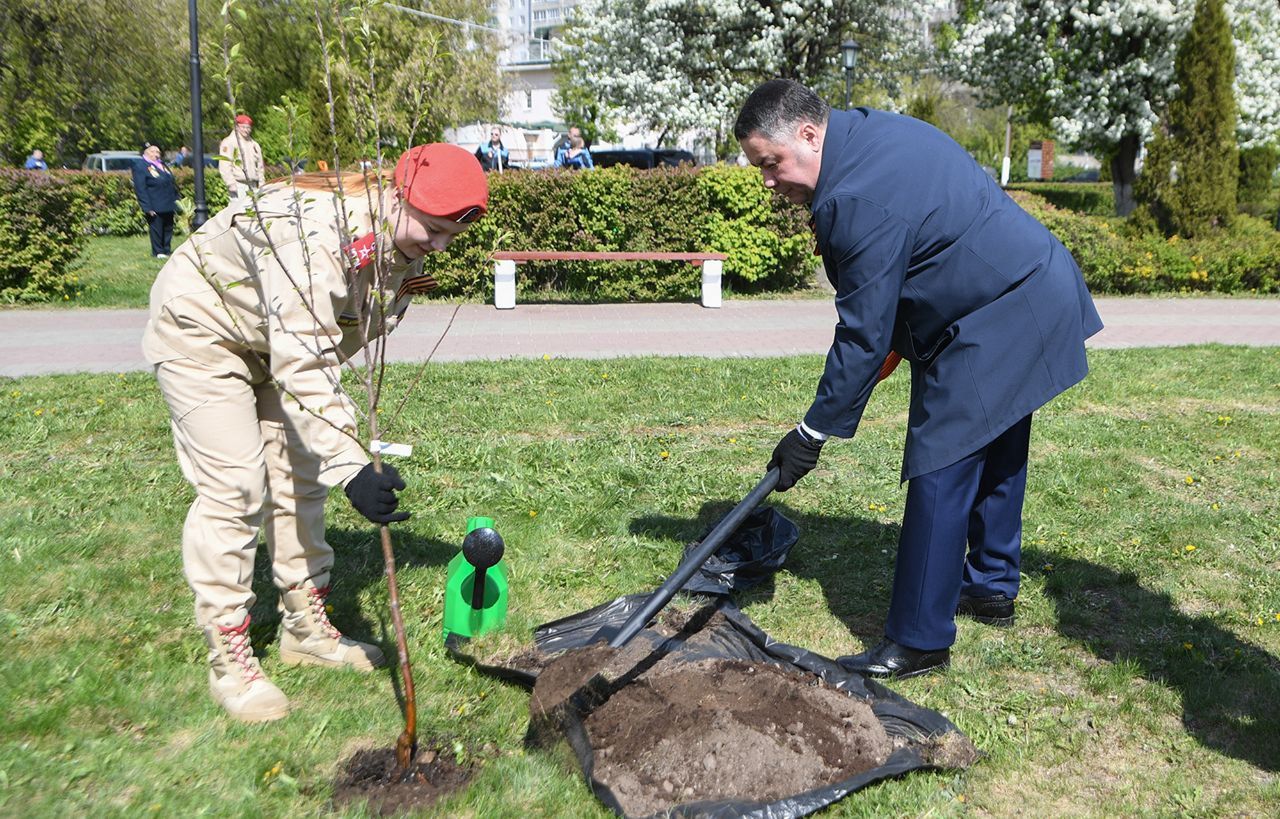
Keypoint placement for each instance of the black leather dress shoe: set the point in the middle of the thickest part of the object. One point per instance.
(896, 661)
(996, 610)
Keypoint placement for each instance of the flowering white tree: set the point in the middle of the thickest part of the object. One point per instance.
(675, 65)
(1256, 26)
(1101, 71)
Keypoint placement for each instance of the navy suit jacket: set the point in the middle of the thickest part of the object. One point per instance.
(155, 188)
(930, 258)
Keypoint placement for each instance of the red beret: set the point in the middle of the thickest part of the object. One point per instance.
(443, 180)
(244, 119)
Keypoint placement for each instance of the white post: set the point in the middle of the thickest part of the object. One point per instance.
(504, 284)
(711, 270)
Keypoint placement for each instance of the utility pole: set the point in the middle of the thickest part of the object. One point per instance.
(1008, 139)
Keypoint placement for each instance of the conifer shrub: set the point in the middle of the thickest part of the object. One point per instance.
(1188, 183)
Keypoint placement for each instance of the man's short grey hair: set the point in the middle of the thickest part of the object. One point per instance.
(776, 107)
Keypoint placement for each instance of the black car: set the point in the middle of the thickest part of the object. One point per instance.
(641, 157)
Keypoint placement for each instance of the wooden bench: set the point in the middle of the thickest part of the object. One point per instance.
(505, 261)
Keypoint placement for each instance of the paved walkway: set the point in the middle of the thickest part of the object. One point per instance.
(60, 341)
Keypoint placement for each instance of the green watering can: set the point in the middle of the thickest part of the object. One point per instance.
(475, 593)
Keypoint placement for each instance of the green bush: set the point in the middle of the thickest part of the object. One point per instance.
(717, 208)
(215, 193)
(1096, 198)
(1254, 194)
(1121, 257)
(41, 236)
(112, 206)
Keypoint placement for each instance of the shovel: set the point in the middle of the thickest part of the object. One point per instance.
(690, 565)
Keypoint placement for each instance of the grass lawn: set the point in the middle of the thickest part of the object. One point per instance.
(117, 271)
(1143, 676)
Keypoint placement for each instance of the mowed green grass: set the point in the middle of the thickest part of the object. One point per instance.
(117, 272)
(1143, 676)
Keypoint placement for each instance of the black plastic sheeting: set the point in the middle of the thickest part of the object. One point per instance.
(734, 638)
(750, 556)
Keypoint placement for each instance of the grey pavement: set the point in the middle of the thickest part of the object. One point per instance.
(62, 341)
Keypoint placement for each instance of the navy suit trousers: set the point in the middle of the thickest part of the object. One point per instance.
(977, 500)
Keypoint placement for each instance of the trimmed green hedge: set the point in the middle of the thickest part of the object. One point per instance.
(41, 236)
(1245, 258)
(113, 207)
(716, 208)
(45, 218)
(1094, 198)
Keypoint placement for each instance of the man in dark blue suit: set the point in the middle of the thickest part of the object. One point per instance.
(932, 261)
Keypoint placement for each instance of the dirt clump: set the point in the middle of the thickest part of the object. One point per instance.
(372, 776)
(566, 674)
(728, 729)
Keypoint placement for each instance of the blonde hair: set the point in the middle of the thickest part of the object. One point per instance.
(350, 182)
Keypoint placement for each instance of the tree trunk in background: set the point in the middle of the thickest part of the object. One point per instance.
(1122, 173)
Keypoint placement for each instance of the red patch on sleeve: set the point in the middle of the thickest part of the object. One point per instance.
(360, 252)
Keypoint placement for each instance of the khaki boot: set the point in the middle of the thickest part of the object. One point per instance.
(236, 680)
(307, 636)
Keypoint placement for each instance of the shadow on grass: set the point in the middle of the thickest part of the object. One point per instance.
(1229, 686)
(851, 558)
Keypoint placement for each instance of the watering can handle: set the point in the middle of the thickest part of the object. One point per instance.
(663, 594)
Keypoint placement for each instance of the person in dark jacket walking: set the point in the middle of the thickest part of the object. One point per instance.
(157, 196)
(931, 260)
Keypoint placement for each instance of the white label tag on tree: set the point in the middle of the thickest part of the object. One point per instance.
(385, 448)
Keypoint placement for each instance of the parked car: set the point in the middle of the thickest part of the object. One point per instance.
(1087, 175)
(641, 157)
(111, 161)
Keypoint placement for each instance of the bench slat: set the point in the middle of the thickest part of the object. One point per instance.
(602, 256)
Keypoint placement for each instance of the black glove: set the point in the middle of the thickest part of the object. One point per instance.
(795, 456)
(374, 495)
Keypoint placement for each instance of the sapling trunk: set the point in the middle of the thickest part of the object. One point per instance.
(407, 744)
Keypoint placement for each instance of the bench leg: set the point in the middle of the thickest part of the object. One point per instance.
(711, 270)
(504, 284)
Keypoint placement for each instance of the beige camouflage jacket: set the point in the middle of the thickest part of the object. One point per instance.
(287, 288)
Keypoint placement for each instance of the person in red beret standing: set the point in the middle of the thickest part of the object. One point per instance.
(251, 319)
(241, 165)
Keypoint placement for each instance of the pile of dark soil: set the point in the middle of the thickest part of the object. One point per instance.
(718, 729)
(371, 776)
(705, 714)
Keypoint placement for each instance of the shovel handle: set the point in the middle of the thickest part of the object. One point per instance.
(663, 594)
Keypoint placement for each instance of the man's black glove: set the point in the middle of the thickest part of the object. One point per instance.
(795, 456)
(374, 495)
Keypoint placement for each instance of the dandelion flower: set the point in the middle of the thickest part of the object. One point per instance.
(1190, 547)
(664, 454)
(1189, 480)
(546, 356)
(533, 513)
(733, 440)
(1188, 646)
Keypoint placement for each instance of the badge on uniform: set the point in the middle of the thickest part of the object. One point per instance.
(360, 252)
